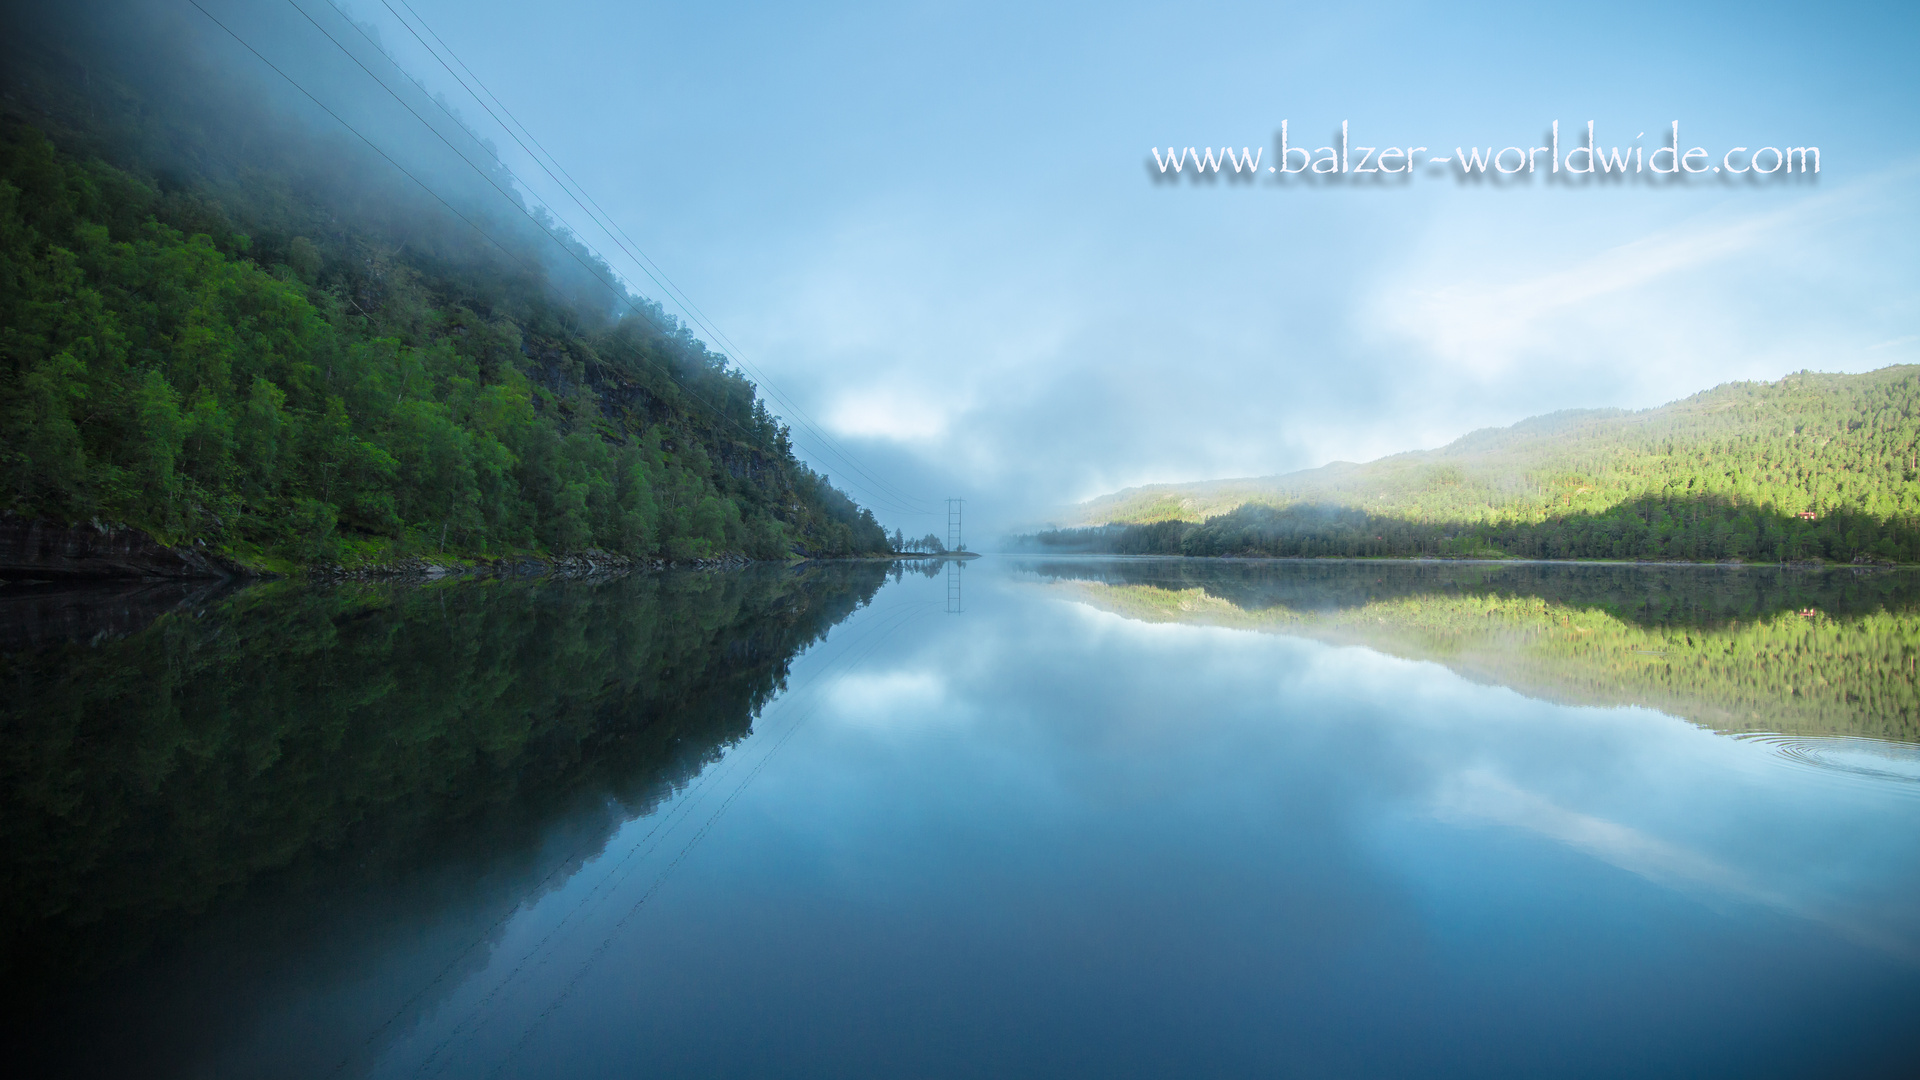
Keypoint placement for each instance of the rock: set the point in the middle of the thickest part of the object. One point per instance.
(47, 551)
(84, 612)
(44, 551)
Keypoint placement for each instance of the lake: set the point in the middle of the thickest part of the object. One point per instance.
(1009, 817)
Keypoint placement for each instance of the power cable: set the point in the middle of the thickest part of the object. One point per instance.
(871, 636)
(646, 265)
(886, 493)
(534, 271)
(617, 291)
(537, 274)
(692, 842)
(687, 798)
(622, 240)
(682, 809)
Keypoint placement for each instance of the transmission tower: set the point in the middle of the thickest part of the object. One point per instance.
(954, 540)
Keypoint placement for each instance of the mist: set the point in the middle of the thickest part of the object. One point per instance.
(934, 235)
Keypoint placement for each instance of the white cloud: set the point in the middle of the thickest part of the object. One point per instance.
(1480, 795)
(886, 699)
(1704, 294)
(885, 413)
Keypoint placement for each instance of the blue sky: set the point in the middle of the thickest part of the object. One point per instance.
(934, 227)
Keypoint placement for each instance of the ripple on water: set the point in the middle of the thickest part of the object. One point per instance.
(1877, 760)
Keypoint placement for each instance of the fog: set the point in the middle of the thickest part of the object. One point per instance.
(936, 236)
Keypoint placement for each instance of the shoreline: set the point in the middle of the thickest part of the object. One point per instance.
(1454, 561)
(39, 552)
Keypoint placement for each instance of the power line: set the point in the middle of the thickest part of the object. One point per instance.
(876, 496)
(617, 291)
(536, 272)
(905, 616)
(886, 493)
(639, 257)
(622, 240)
(538, 275)
(869, 639)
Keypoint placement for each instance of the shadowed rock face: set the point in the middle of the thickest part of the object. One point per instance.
(41, 615)
(41, 550)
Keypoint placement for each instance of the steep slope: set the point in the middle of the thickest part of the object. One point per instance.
(234, 325)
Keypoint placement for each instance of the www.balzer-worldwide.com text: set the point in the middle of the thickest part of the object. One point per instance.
(1585, 157)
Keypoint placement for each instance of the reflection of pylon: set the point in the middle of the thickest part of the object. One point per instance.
(954, 569)
(954, 540)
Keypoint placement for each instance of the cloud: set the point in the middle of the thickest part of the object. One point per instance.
(1482, 796)
(887, 413)
(1701, 289)
(1488, 326)
(887, 699)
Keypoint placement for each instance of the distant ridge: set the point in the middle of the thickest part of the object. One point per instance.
(1805, 442)
(1808, 469)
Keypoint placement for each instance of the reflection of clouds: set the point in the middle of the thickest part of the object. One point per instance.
(1101, 730)
(887, 698)
(1479, 795)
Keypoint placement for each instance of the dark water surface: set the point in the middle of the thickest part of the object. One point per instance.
(1018, 818)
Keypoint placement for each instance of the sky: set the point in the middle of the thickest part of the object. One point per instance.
(938, 232)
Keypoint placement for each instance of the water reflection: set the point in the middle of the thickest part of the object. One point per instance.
(1096, 827)
(1747, 649)
(1874, 759)
(205, 791)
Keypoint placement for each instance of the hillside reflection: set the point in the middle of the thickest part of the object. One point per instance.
(210, 789)
(1732, 649)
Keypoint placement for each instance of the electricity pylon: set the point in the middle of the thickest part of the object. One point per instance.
(955, 568)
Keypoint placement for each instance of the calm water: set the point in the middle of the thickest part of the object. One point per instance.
(1022, 818)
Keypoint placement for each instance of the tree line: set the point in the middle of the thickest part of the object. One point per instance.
(151, 776)
(1761, 650)
(247, 351)
(1811, 466)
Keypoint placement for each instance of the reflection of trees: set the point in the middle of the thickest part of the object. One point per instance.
(1752, 650)
(287, 741)
(926, 568)
(1646, 595)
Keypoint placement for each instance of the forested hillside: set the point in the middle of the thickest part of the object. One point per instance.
(376, 719)
(1810, 466)
(1760, 650)
(228, 326)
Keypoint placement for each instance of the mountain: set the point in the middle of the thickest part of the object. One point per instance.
(1758, 650)
(1813, 465)
(324, 329)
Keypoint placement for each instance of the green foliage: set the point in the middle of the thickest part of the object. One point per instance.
(1750, 650)
(151, 776)
(1812, 466)
(338, 402)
